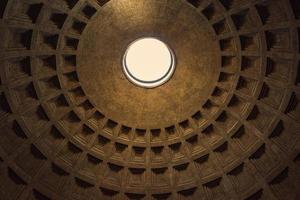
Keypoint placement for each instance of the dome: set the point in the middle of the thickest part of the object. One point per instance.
(149, 99)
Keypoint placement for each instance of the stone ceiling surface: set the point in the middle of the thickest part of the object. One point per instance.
(226, 126)
(100, 53)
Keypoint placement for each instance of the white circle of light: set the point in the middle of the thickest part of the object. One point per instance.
(148, 62)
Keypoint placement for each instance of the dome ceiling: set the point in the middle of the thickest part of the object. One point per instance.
(117, 98)
(225, 126)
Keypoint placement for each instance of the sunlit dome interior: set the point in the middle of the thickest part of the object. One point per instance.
(149, 99)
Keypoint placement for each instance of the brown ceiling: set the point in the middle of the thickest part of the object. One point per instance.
(226, 126)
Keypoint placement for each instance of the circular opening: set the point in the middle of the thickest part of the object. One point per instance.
(148, 62)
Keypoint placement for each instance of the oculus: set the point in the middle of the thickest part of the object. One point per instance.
(148, 62)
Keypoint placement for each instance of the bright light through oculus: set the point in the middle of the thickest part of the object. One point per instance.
(148, 62)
